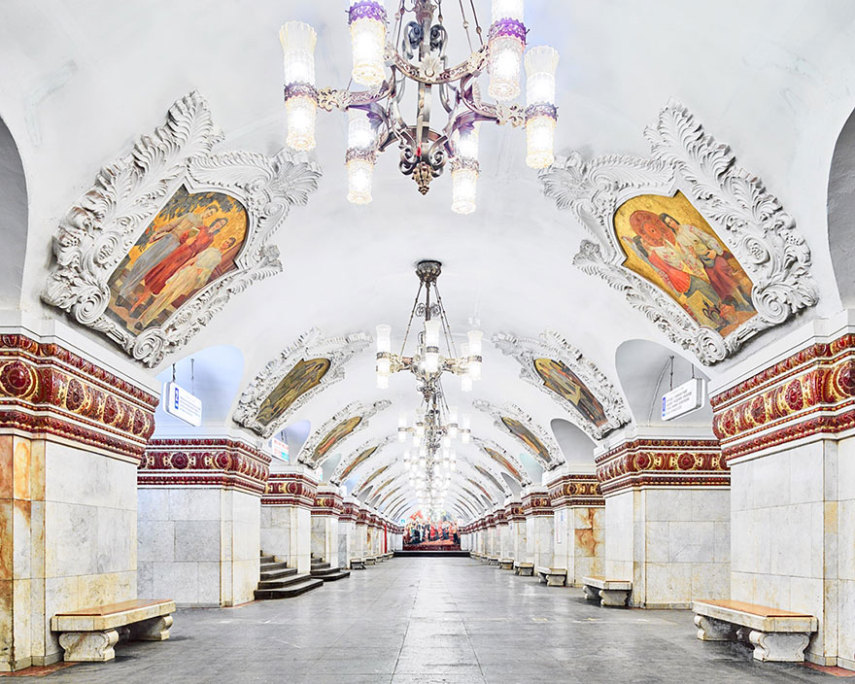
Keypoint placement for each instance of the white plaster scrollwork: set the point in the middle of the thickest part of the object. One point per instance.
(521, 474)
(553, 456)
(345, 463)
(97, 232)
(311, 344)
(551, 345)
(751, 222)
(352, 410)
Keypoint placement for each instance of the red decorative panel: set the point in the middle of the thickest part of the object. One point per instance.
(289, 489)
(576, 489)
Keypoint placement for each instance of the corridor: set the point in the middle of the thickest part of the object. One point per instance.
(433, 620)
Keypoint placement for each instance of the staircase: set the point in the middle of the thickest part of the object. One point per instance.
(279, 581)
(324, 572)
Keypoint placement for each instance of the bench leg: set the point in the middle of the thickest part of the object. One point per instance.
(526, 572)
(82, 647)
(154, 629)
(779, 647)
(613, 598)
(710, 629)
(591, 593)
(555, 580)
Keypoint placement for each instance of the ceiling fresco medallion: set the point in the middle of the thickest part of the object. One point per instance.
(300, 371)
(355, 416)
(348, 465)
(692, 240)
(511, 418)
(510, 463)
(169, 232)
(556, 367)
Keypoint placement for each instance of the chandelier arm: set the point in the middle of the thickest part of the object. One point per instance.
(474, 65)
(333, 98)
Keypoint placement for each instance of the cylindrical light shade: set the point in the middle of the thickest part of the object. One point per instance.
(540, 65)
(360, 179)
(466, 141)
(475, 370)
(432, 332)
(506, 45)
(475, 342)
(300, 113)
(360, 135)
(384, 338)
(540, 138)
(464, 186)
(382, 381)
(298, 47)
(368, 41)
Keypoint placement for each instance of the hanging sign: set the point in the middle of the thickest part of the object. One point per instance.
(178, 402)
(278, 449)
(684, 399)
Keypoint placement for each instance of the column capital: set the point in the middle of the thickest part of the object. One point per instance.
(536, 503)
(514, 511)
(290, 489)
(327, 501)
(204, 462)
(575, 489)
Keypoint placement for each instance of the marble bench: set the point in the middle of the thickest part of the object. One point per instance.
(554, 577)
(609, 592)
(370, 560)
(524, 569)
(777, 635)
(506, 563)
(493, 560)
(357, 564)
(88, 635)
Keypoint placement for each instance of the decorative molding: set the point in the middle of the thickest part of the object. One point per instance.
(47, 391)
(97, 232)
(554, 456)
(810, 394)
(200, 462)
(536, 504)
(550, 344)
(523, 479)
(576, 489)
(348, 512)
(346, 461)
(514, 512)
(327, 502)
(290, 489)
(311, 344)
(662, 463)
(354, 409)
(750, 221)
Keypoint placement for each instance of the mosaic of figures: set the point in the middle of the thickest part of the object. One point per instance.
(527, 437)
(558, 378)
(436, 533)
(305, 375)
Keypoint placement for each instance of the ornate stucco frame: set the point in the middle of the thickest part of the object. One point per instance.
(550, 344)
(513, 411)
(750, 221)
(97, 232)
(311, 344)
(513, 460)
(353, 409)
(345, 462)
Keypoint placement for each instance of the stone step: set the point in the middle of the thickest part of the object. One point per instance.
(319, 572)
(281, 582)
(278, 574)
(332, 575)
(267, 559)
(318, 565)
(289, 591)
(270, 567)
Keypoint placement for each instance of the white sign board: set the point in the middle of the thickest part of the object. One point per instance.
(178, 402)
(278, 449)
(684, 399)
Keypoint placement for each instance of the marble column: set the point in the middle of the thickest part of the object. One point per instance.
(360, 548)
(326, 510)
(787, 431)
(286, 514)
(503, 534)
(579, 517)
(73, 429)
(199, 520)
(539, 526)
(518, 531)
(490, 535)
(347, 532)
(667, 502)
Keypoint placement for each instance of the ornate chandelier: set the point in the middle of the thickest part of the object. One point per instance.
(436, 426)
(418, 54)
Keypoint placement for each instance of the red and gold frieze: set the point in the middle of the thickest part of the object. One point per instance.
(348, 512)
(327, 503)
(225, 463)
(576, 489)
(489, 520)
(363, 517)
(514, 512)
(501, 518)
(289, 489)
(48, 391)
(536, 504)
(809, 393)
(661, 463)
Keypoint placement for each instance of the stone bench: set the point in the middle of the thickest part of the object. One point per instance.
(493, 561)
(357, 564)
(88, 635)
(506, 563)
(554, 577)
(609, 592)
(524, 569)
(777, 635)
(370, 560)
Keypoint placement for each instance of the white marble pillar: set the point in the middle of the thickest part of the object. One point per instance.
(326, 510)
(787, 431)
(286, 514)
(539, 526)
(73, 429)
(667, 503)
(490, 535)
(347, 544)
(579, 520)
(518, 531)
(503, 534)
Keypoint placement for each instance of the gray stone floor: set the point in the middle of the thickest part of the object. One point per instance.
(433, 620)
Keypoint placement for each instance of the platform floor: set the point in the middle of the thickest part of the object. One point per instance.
(433, 620)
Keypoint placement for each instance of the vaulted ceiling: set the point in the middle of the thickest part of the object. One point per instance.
(773, 79)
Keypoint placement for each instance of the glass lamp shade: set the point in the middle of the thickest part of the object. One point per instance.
(504, 64)
(298, 46)
(465, 386)
(382, 381)
(384, 338)
(507, 9)
(540, 65)
(431, 362)
(432, 332)
(475, 337)
(466, 143)
(464, 190)
(540, 141)
(300, 111)
(360, 135)
(360, 179)
(368, 42)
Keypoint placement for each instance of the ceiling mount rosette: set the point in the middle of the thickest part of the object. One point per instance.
(559, 369)
(301, 371)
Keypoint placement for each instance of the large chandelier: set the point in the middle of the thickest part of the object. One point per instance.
(436, 426)
(416, 52)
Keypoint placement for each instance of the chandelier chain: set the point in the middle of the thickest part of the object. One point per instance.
(412, 315)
